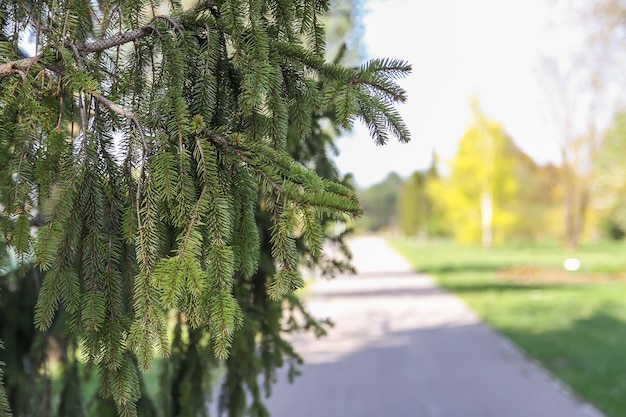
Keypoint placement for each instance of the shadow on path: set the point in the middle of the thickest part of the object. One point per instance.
(448, 371)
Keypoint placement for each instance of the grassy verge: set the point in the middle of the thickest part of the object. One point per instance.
(573, 323)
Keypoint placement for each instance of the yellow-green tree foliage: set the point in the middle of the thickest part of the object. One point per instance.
(480, 166)
(523, 194)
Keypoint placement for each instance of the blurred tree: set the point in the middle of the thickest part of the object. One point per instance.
(495, 192)
(414, 205)
(155, 142)
(604, 22)
(574, 92)
(481, 182)
(419, 211)
(584, 85)
(605, 45)
(609, 179)
(537, 202)
(380, 204)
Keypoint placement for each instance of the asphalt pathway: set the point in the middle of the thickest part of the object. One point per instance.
(402, 347)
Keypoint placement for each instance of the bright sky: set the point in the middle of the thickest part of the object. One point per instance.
(459, 49)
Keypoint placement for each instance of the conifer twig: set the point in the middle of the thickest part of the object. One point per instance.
(223, 142)
(124, 113)
(81, 102)
(144, 153)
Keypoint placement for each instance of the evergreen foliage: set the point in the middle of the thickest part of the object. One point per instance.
(5, 409)
(154, 139)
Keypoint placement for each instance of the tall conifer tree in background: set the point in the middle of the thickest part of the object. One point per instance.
(158, 142)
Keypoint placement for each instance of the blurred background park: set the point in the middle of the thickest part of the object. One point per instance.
(518, 120)
(512, 192)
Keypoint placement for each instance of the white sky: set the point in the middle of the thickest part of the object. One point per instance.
(488, 49)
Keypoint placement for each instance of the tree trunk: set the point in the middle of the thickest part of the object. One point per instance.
(486, 207)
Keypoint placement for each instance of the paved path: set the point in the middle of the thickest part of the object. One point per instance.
(402, 347)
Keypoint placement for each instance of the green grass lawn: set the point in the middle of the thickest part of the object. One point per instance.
(576, 330)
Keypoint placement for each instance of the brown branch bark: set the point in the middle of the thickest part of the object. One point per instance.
(115, 40)
(124, 113)
(16, 67)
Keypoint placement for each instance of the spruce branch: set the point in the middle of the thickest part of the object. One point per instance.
(195, 215)
(225, 143)
(173, 23)
(299, 184)
(140, 225)
(21, 66)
